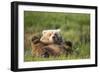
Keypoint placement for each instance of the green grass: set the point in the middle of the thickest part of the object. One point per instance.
(74, 27)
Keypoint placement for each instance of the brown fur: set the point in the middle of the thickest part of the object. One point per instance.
(39, 49)
(55, 50)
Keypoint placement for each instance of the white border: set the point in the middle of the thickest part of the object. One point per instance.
(22, 64)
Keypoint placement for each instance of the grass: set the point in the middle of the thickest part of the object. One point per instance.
(74, 27)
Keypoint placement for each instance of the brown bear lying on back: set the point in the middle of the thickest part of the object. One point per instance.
(55, 47)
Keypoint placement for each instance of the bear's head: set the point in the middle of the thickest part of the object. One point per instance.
(50, 36)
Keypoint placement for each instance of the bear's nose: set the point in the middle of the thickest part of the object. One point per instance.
(54, 37)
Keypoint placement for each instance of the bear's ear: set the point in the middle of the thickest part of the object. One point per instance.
(43, 32)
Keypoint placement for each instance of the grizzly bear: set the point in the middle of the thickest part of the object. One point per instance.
(50, 43)
(40, 49)
(54, 37)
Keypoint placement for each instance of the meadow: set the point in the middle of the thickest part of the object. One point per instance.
(74, 27)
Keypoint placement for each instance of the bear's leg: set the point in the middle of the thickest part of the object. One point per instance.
(45, 55)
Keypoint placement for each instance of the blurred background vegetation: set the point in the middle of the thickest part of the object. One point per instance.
(74, 27)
